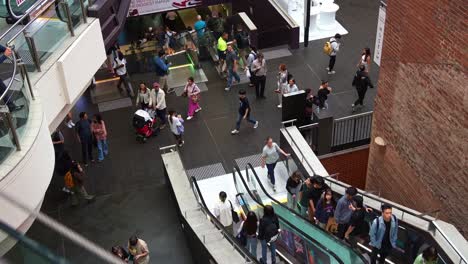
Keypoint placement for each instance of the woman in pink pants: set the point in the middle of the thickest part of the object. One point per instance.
(193, 94)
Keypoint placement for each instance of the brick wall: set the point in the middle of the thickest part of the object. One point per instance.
(351, 166)
(421, 109)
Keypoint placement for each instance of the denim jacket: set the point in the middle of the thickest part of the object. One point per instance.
(377, 234)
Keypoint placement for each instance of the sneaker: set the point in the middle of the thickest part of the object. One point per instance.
(352, 108)
(234, 132)
(331, 72)
(227, 89)
(256, 125)
(327, 68)
(251, 85)
(198, 110)
(280, 106)
(181, 144)
(162, 126)
(189, 117)
(90, 197)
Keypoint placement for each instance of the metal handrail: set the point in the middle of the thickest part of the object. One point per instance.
(308, 126)
(353, 116)
(13, 59)
(217, 223)
(381, 201)
(317, 243)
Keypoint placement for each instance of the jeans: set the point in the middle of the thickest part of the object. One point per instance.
(260, 86)
(272, 250)
(86, 149)
(342, 230)
(161, 114)
(252, 245)
(125, 80)
(239, 119)
(231, 74)
(361, 94)
(331, 63)
(383, 252)
(103, 149)
(292, 202)
(271, 172)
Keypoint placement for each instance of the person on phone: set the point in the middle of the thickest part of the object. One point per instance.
(78, 189)
(270, 156)
(193, 93)
(293, 186)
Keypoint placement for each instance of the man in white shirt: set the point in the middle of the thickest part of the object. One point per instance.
(158, 98)
(223, 212)
(120, 69)
(335, 45)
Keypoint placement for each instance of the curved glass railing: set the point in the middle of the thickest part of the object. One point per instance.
(299, 238)
(31, 43)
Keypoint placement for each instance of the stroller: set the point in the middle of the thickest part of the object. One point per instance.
(145, 125)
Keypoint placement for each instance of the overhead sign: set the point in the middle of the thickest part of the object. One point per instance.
(380, 34)
(19, 2)
(143, 7)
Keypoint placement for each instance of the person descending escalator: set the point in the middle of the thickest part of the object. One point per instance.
(268, 233)
(358, 229)
(293, 186)
(247, 233)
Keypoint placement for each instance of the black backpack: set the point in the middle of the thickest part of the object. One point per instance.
(271, 229)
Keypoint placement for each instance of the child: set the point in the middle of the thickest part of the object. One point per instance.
(177, 128)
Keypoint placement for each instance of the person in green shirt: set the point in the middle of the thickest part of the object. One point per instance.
(222, 47)
(428, 256)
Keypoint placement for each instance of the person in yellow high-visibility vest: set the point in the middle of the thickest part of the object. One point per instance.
(222, 47)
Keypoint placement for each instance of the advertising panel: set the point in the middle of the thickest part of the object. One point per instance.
(142, 7)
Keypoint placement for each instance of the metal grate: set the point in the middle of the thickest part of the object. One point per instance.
(255, 160)
(206, 172)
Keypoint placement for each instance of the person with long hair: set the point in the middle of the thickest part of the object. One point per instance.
(78, 189)
(100, 133)
(365, 59)
(248, 229)
(259, 70)
(177, 127)
(325, 208)
(121, 253)
(293, 186)
(193, 94)
(270, 156)
(282, 83)
(268, 232)
(143, 99)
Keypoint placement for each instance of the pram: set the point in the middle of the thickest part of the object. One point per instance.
(145, 125)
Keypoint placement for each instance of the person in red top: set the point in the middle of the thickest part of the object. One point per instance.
(100, 133)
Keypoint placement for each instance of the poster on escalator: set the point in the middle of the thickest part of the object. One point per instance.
(19, 2)
(143, 7)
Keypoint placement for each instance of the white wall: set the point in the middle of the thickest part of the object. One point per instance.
(69, 77)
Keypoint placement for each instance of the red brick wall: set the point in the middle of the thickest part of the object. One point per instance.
(351, 166)
(421, 109)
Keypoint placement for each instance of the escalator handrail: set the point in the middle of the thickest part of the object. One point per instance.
(249, 165)
(318, 244)
(20, 19)
(14, 63)
(220, 226)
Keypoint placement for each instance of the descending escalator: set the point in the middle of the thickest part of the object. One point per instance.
(300, 239)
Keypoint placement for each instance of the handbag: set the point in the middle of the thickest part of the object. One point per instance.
(235, 216)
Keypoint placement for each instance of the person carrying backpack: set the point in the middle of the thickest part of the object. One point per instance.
(361, 81)
(250, 59)
(268, 232)
(242, 43)
(383, 234)
(331, 48)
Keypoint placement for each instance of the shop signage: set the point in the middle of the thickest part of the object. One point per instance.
(142, 7)
(380, 34)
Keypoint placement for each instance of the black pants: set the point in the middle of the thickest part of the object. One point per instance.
(9, 101)
(331, 64)
(260, 86)
(342, 230)
(361, 95)
(87, 150)
(161, 114)
(383, 252)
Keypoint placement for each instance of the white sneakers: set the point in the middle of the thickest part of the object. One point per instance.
(189, 117)
(234, 132)
(227, 89)
(331, 72)
(279, 106)
(256, 125)
(198, 110)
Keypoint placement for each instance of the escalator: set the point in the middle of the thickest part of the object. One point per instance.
(300, 240)
(14, 9)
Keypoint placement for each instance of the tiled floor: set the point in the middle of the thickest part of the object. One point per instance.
(132, 194)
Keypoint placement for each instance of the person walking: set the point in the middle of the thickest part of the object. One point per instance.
(143, 98)
(242, 43)
(293, 187)
(177, 127)
(9, 100)
(268, 232)
(248, 229)
(282, 83)
(138, 249)
(162, 71)
(85, 137)
(244, 112)
(200, 27)
(250, 59)
(223, 212)
(222, 48)
(383, 234)
(270, 156)
(193, 94)
(322, 95)
(259, 70)
(78, 189)
(310, 195)
(335, 47)
(325, 209)
(343, 211)
(158, 99)
(100, 133)
(361, 81)
(365, 59)
(358, 228)
(232, 65)
(120, 69)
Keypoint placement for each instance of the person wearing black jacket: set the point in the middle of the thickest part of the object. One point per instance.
(361, 81)
(268, 232)
(293, 186)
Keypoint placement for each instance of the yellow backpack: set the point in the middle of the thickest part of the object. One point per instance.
(327, 48)
(68, 179)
